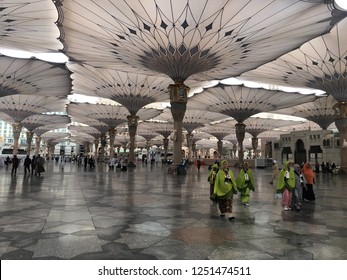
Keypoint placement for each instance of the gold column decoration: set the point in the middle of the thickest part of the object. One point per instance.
(132, 125)
(178, 100)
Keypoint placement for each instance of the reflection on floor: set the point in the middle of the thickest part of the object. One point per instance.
(145, 213)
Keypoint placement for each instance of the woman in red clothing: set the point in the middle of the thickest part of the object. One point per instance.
(310, 178)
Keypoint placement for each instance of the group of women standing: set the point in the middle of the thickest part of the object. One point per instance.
(295, 184)
(223, 186)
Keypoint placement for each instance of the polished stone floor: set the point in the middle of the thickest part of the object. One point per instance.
(145, 213)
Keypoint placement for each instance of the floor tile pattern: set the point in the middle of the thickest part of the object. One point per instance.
(145, 213)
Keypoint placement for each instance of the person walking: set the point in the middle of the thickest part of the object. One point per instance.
(39, 166)
(286, 185)
(299, 185)
(310, 178)
(212, 177)
(224, 189)
(245, 183)
(198, 163)
(275, 172)
(15, 164)
(33, 164)
(27, 164)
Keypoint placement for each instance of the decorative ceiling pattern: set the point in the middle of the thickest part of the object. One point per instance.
(184, 38)
(132, 90)
(109, 114)
(35, 121)
(162, 128)
(255, 126)
(19, 107)
(29, 26)
(319, 111)
(240, 102)
(50, 128)
(320, 63)
(31, 76)
(193, 118)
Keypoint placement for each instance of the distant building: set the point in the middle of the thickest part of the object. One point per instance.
(307, 145)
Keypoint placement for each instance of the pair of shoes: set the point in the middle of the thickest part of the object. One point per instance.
(271, 183)
(222, 215)
(286, 208)
(231, 218)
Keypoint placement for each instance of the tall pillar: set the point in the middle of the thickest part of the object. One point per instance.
(38, 144)
(133, 121)
(112, 134)
(30, 136)
(17, 129)
(178, 100)
(96, 146)
(194, 150)
(189, 138)
(255, 146)
(341, 124)
(240, 135)
(166, 146)
(102, 146)
(220, 148)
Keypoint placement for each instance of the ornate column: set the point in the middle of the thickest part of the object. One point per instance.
(102, 145)
(112, 135)
(255, 146)
(30, 136)
(133, 121)
(148, 146)
(240, 135)
(189, 138)
(166, 146)
(38, 144)
(341, 124)
(220, 148)
(16, 128)
(178, 100)
(96, 146)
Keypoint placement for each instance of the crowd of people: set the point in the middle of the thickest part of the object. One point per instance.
(294, 184)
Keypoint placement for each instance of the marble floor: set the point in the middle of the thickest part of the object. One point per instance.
(145, 214)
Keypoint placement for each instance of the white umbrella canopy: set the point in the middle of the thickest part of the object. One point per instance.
(193, 118)
(320, 111)
(132, 90)
(33, 77)
(320, 64)
(35, 121)
(29, 26)
(256, 126)
(39, 131)
(20, 107)
(240, 102)
(184, 38)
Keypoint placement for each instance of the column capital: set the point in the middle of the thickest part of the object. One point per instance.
(178, 92)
